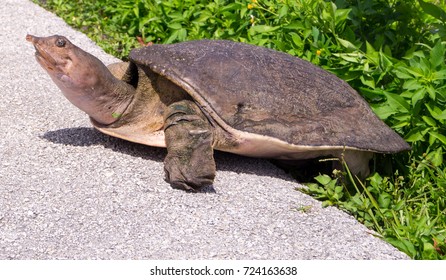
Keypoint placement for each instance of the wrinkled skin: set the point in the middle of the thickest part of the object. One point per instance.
(189, 163)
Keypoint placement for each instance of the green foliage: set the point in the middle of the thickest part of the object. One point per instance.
(409, 212)
(391, 51)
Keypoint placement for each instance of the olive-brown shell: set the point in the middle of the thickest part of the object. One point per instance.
(266, 92)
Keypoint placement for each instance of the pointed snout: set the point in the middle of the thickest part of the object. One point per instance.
(31, 38)
(35, 40)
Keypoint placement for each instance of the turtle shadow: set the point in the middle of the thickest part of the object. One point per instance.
(88, 136)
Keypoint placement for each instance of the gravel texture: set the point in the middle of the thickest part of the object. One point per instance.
(69, 192)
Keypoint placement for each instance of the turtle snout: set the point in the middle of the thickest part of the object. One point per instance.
(34, 40)
(31, 38)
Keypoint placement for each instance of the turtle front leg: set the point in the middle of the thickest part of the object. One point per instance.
(189, 163)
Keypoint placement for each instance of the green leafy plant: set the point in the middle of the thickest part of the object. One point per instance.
(408, 212)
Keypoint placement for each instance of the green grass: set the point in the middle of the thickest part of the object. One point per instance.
(391, 51)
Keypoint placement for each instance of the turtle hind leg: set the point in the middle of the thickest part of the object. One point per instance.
(189, 163)
(357, 161)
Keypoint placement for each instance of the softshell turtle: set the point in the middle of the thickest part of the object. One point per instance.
(197, 96)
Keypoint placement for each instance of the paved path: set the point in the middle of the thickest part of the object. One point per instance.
(69, 192)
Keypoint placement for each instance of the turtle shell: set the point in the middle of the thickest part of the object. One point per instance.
(264, 92)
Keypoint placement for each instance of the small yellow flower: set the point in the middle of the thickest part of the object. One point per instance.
(318, 52)
(250, 6)
(254, 1)
(252, 20)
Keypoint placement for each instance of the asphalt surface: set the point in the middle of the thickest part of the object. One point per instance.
(69, 192)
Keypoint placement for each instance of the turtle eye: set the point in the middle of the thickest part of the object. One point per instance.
(61, 42)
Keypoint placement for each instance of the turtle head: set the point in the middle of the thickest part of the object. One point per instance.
(56, 54)
(83, 79)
